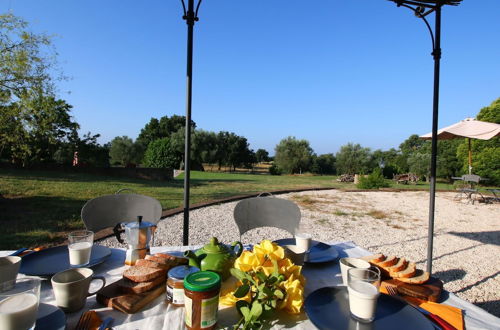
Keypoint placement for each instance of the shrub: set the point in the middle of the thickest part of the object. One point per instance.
(274, 170)
(160, 154)
(373, 181)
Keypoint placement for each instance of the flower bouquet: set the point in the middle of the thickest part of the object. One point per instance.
(267, 281)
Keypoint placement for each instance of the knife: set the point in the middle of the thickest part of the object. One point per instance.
(106, 323)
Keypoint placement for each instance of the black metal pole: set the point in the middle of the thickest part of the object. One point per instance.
(436, 53)
(190, 19)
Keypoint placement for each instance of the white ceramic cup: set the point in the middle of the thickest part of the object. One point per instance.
(80, 247)
(303, 241)
(295, 254)
(348, 263)
(19, 306)
(71, 287)
(363, 287)
(9, 267)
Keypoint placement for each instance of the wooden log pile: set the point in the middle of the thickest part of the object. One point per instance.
(346, 178)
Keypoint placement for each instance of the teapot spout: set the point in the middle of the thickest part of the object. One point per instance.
(193, 259)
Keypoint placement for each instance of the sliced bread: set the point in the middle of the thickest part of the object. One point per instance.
(408, 272)
(399, 266)
(128, 286)
(387, 262)
(420, 277)
(143, 274)
(151, 264)
(176, 260)
(374, 258)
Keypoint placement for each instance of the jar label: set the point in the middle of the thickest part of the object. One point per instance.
(209, 309)
(170, 293)
(188, 311)
(178, 296)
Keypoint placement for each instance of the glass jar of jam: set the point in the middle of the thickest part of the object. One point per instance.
(201, 300)
(175, 284)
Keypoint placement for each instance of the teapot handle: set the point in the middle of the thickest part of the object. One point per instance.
(240, 248)
(117, 230)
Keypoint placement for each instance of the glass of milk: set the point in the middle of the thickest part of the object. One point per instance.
(19, 306)
(80, 246)
(363, 287)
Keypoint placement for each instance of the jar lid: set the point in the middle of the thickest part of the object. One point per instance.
(202, 281)
(180, 272)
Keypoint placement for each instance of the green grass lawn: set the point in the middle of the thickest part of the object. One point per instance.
(40, 207)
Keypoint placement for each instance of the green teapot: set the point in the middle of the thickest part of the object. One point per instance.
(215, 256)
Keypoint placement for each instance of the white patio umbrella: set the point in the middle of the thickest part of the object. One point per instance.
(468, 128)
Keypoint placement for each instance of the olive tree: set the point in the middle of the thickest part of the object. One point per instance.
(293, 155)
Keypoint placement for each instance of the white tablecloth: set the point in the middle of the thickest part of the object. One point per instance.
(159, 315)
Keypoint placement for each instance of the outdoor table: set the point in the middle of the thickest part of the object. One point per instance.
(159, 315)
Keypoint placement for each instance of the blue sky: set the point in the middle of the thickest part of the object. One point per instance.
(332, 73)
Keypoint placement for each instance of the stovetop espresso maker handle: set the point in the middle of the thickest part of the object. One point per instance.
(118, 230)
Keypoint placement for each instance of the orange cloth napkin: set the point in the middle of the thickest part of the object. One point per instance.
(450, 314)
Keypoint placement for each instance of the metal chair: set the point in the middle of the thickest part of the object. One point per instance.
(469, 188)
(266, 211)
(107, 211)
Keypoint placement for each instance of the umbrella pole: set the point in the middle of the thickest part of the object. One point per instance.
(190, 18)
(436, 53)
(470, 157)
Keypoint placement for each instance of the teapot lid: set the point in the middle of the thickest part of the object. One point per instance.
(139, 224)
(214, 246)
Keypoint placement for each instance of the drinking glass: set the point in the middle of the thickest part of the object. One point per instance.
(19, 306)
(80, 246)
(363, 287)
(303, 241)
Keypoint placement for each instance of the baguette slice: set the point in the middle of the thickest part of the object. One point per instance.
(401, 265)
(420, 277)
(143, 274)
(151, 264)
(408, 272)
(389, 261)
(376, 258)
(128, 286)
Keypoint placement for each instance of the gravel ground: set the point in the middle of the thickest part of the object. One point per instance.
(466, 243)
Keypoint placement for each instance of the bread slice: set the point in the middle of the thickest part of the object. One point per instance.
(171, 258)
(143, 274)
(151, 264)
(389, 261)
(128, 286)
(408, 272)
(420, 277)
(374, 258)
(399, 266)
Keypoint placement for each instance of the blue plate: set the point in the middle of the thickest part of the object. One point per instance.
(328, 308)
(319, 252)
(49, 261)
(50, 318)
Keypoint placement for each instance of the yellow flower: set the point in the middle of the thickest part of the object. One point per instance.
(247, 261)
(294, 299)
(272, 250)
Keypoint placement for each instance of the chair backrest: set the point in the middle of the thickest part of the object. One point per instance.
(106, 211)
(471, 178)
(266, 212)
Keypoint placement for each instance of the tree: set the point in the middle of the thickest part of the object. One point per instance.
(157, 129)
(323, 164)
(420, 164)
(26, 59)
(292, 155)
(34, 128)
(123, 151)
(160, 154)
(485, 154)
(353, 159)
(410, 146)
(262, 155)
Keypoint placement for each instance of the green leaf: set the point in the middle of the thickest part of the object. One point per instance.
(261, 276)
(240, 275)
(279, 294)
(244, 308)
(242, 291)
(272, 279)
(275, 270)
(256, 310)
(268, 292)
